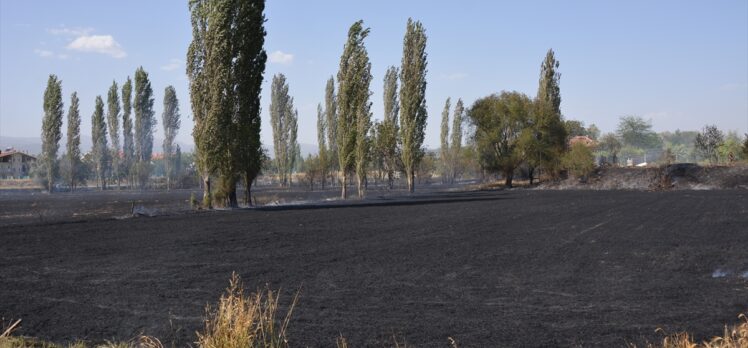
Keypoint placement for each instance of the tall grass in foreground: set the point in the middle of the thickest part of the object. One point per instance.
(733, 337)
(245, 321)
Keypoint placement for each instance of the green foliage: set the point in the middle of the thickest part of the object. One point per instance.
(353, 113)
(500, 120)
(413, 98)
(128, 144)
(745, 147)
(610, 146)
(100, 151)
(593, 132)
(73, 172)
(444, 153)
(709, 141)
(579, 161)
(549, 130)
(171, 122)
(635, 132)
(145, 123)
(51, 129)
(575, 128)
(322, 142)
(284, 120)
(331, 123)
(113, 109)
(225, 66)
(731, 150)
(456, 148)
(387, 131)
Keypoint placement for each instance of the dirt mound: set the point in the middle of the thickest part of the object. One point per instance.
(680, 176)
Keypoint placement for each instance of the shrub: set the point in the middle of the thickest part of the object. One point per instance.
(579, 161)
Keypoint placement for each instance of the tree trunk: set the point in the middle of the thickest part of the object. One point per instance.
(206, 192)
(411, 180)
(360, 186)
(531, 174)
(344, 194)
(248, 189)
(508, 179)
(233, 202)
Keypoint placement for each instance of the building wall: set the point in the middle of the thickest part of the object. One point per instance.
(15, 166)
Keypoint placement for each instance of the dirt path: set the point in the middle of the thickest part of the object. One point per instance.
(508, 268)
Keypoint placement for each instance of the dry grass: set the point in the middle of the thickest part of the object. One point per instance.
(733, 337)
(245, 321)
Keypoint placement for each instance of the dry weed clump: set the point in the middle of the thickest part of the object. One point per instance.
(733, 337)
(241, 320)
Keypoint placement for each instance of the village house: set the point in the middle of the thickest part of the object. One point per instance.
(15, 164)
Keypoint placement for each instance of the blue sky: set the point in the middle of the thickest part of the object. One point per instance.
(682, 64)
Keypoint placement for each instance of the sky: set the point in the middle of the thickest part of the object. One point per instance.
(680, 64)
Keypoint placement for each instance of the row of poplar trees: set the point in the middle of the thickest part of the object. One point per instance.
(347, 139)
(111, 162)
(225, 66)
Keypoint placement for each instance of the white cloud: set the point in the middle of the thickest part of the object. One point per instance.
(75, 32)
(50, 54)
(174, 64)
(281, 57)
(104, 44)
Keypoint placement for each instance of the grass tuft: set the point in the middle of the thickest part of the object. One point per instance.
(733, 337)
(241, 320)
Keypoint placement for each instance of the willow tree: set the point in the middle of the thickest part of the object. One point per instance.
(128, 143)
(51, 129)
(353, 107)
(171, 123)
(413, 112)
(100, 151)
(112, 116)
(145, 122)
(74, 174)
(283, 119)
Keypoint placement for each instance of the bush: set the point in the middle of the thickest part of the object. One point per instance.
(579, 161)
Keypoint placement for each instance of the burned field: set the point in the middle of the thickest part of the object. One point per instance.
(500, 268)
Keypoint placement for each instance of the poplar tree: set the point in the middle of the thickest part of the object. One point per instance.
(388, 133)
(249, 69)
(413, 112)
(551, 133)
(322, 143)
(128, 146)
(74, 175)
(444, 153)
(145, 122)
(171, 122)
(331, 120)
(100, 149)
(353, 112)
(197, 56)
(225, 66)
(283, 118)
(113, 109)
(456, 149)
(51, 129)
